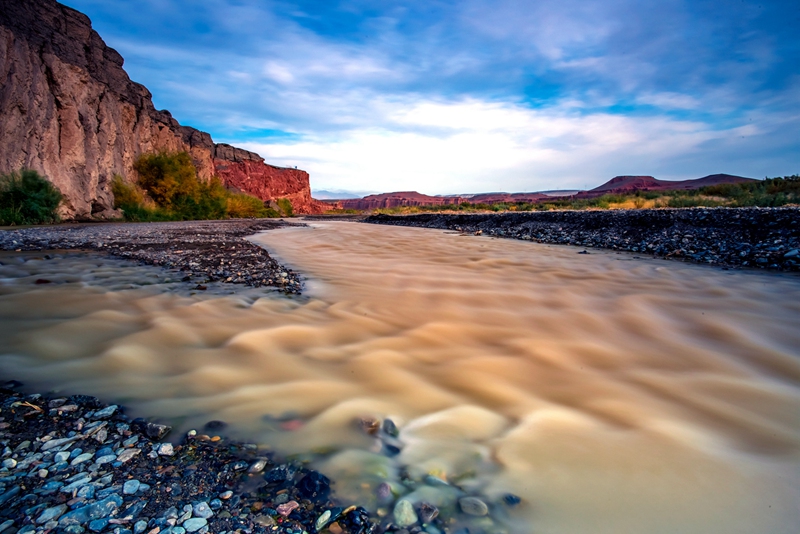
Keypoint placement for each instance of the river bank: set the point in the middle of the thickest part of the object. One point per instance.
(73, 464)
(205, 251)
(764, 238)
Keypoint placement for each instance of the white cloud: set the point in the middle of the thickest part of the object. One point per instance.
(491, 146)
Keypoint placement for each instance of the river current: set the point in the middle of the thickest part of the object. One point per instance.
(613, 394)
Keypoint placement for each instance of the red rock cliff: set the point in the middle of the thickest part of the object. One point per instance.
(70, 111)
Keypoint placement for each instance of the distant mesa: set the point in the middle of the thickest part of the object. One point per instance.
(630, 184)
(617, 186)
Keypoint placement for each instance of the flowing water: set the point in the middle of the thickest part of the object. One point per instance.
(614, 394)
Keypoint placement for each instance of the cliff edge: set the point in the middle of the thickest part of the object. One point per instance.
(70, 111)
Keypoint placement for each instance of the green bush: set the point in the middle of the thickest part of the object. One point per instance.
(168, 190)
(28, 198)
(285, 206)
(241, 206)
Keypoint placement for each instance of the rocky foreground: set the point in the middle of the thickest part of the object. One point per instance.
(74, 465)
(206, 251)
(764, 238)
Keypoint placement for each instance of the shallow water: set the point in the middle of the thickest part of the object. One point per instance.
(613, 394)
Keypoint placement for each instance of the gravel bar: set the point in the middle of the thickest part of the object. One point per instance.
(74, 465)
(764, 238)
(207, 251)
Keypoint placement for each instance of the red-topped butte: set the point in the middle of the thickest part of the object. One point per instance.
(71, 112)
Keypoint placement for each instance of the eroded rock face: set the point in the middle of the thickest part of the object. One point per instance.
(70, 111)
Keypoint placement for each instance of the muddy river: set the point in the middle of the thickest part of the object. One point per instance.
(613, 394)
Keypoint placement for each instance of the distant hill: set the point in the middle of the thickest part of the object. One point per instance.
(630, 184)
(617, 185)
(398, 198)
(336, 194)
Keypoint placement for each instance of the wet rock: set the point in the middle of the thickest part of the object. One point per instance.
(287, 508)
(404, 514)
(314, 486)
(202, 510)
(99, 510)
(106, 412)
(165, 449)
(511, 500)
(194, 524)
(131, 487)
(473, 506)
(390, 428)
(257, 466)
(51, 514)
(427, 512)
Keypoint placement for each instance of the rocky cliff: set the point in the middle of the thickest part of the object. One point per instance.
(70, 111)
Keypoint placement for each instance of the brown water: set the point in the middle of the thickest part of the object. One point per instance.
(614, 394)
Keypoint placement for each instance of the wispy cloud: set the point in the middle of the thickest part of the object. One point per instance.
(475, 95)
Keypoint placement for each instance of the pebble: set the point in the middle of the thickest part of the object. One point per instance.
(130, 487)
(85, 457)
(100, 509)
(225, 495)
(427, 512)
(257, 466)
(128, 454)
(203, 510)
(52, 513)
(106, 412)
(195, 524)
(165, 449)
(287, 508)
(404, 514)
(323, 520)
(473, 506)
(108, 458)
(10, 463)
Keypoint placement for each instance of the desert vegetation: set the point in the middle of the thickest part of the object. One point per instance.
(770, 192)
(168, 189)
(26, 197)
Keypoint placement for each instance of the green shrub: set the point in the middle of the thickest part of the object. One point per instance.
(168, 190)
(168, 178)
(285, 206)
(242, 206)
(28, 198)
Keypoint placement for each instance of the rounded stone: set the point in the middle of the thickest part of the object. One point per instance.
(473, 506)
(404, 514)
(202, 510)
(194, 524)
(130, 487)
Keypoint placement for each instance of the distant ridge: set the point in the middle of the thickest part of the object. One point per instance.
(630, 184)
(617, 185)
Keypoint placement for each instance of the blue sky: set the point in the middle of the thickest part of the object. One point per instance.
(466, 96)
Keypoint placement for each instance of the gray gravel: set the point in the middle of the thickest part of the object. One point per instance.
(763, 238)
(206, 251)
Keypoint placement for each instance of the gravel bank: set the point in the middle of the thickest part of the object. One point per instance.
(765, 238)
(207, 251)
(73, 465)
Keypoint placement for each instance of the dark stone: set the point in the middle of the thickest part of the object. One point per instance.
(215, 425)
(314, 486)
(356, 521)
(511, 500)
(86, 401)
(390, 428)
